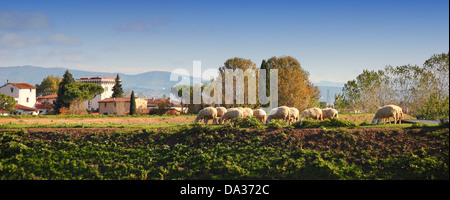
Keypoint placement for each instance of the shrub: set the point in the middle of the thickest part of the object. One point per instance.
(333, 122)
(247, 122)
(276, 124)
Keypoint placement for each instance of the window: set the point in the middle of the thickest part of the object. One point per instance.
(106, 88)
(114, 104)
(28, 99)
(12, 89)
(30, 90)
(105, 105)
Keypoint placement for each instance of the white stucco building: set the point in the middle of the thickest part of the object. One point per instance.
(106, 83)
(24, 94)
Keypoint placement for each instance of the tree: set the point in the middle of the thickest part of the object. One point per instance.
(132, 104)
(294, 87)
(59, 103)
(7, 103)
(233, 64)
(77, 93)
(48, 86)
(117, 88)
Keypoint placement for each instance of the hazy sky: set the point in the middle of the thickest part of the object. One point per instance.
(333, 40)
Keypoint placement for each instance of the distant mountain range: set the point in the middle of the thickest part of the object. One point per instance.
(148, 84)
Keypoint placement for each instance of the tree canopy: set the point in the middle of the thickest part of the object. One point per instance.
(49, 85)
(7, 103)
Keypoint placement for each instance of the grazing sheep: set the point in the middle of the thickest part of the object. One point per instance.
(330, 113)
(260, 114)
(386, 112)
(220, 112)
(235, 113)
(313, 113)
(293, 115)
(281, 112)
(248, 113)
(206, 114)
(399, 115)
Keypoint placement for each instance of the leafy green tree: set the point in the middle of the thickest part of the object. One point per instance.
(117, 88)
(81, 91)
(77, 93)
(67, 79)
(132, 104)
(7, 103)
(48, 86)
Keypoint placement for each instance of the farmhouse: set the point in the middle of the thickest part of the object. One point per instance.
(106, 83)
(24, 110)
(25, 96)
(24, 93)
(120, 106)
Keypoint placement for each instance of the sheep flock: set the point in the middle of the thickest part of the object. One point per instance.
(220, 115)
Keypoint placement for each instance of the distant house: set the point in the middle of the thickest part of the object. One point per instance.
(106, 83)
(24, 110)
(47, 98)
(44, 108)
(4, 112)
(120, 106)
(171, 105)
(24, 93)
(45, 103)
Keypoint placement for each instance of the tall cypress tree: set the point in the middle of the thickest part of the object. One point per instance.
(67, 79)
(117, 89)
(132, 104)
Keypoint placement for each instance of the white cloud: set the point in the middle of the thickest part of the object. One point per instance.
(14, 40)
(61, 38)
(21, 21)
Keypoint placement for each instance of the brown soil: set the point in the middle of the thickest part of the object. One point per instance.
(118, 120)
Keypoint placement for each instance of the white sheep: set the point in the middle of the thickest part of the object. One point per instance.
(281, 112)
(260, 114)
(206, 114)
(220, 112)
(386, 112)
(293, 115)
(330, 113)
(248, 113)
(228, 116)
(399, 115)
(313, 113)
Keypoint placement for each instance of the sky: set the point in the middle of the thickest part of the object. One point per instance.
(332, 40)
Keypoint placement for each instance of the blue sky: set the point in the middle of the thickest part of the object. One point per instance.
(333, 40)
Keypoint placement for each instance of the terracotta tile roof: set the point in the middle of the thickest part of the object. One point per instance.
(126, 99)
(22, 107)
(50, 96)
(23, 85)
(3, 111)
(44, 105)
